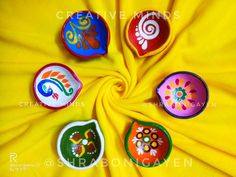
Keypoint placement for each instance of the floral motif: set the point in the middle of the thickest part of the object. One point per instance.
(147, 144)
(147, 141)
(180, 94)
(81, 142)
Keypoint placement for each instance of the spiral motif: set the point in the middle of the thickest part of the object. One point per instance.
(49, 91)
(148, 29)
(84, 23)
(71, 36)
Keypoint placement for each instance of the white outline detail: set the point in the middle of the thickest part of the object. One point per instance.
(153, 130)
(140, 129)
(153, 152)
(147, 30)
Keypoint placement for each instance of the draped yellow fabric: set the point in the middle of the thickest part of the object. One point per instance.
(118, 87)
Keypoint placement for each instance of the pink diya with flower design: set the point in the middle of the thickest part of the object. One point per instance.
(148, 33)
(183, 94)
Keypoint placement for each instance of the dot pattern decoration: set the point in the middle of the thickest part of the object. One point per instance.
(147, 144)
(80, 144)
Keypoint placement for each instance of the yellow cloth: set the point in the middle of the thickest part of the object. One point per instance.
(118, 87)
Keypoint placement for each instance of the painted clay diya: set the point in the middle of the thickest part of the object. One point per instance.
(148, 144)
(80, 144)
(183, 94)
(56, 86)
(148, 33)
(86, 35)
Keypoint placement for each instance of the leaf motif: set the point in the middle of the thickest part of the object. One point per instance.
(54, 74)
(60, 76)
(64, 80)
(67, 85)
(45, 75)
(93, 28)
(85, 46)
(92, 33)
(78, 44)
(94, 43)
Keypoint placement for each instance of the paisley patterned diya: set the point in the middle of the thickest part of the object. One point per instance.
(56, 86)
(183, 94)
(148, 33)
(148, 144)
(86, 35)
(80, 144)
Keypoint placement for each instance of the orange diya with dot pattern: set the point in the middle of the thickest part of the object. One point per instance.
(148, 144)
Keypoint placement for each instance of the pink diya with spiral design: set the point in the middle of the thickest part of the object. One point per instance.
(183, 94)
(148, 33)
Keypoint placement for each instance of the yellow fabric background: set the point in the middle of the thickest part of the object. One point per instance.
(119, 87)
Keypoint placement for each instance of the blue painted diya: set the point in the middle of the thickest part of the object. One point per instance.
(86, 35)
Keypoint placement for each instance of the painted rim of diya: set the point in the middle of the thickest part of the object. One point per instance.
(162, 47)
(149, 124)
(194, 75)
(81, 123)
(81, 56)
(72, 74)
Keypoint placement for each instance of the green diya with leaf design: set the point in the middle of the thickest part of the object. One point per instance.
(80, 144)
